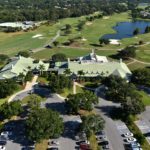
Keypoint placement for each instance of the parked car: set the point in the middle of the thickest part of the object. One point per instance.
(128, 134)
(84, 146)
(131, 140)
(83, 141)
(100, 133)
(54, 142)
(53, 148)
(105, 147)
(101, 138)
(6, 134)
(2, 147)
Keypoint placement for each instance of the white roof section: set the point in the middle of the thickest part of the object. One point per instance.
(93, 58)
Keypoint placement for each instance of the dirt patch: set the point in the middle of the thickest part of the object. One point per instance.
(76, 44)
(89, 23)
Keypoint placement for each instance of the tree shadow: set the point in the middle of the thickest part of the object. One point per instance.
(110, 111)
(96, 45)
(18, 130)
(57, 106)
(70, 129)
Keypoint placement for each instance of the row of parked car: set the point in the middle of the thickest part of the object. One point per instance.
(102, 140)
(131, 142)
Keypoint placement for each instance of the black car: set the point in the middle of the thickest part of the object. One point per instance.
(53, 148)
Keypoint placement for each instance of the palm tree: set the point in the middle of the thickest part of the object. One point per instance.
(41, 69)
(21, 77)
(67, 72)
(29, 68)
(92, 123)
(80, 73)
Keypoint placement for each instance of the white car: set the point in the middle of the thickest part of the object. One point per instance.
(131, 140)
(128, 134)
(6, 134)
(54, 142)
(101, 138)
(2, 147)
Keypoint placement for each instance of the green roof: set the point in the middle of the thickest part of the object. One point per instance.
(96, 69)
(20, 65)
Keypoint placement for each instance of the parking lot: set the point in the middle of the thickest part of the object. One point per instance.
(15, 137)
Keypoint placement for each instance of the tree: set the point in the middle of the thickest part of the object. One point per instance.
(34, 101)
(28, 76)
(41, 69)
(67, 72)
(104, 41)
(85, 101)
(133, 104)
(7, 110)
(58, 83)
(7, 87)
(3, 59)
(147, 29)
(24, 54)
(59, 57)
(124, 93)
(21, 77)
(43, 124)
(80, 74)
(136, 31)
(56, 43)
(141, 77)
(129, 51)
(92, 123)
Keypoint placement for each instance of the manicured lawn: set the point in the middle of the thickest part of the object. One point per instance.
(136, 65)
(70, 52)
(42, 145)
(143, 55)
(42, 80)
(70, 91)
(146, 98)
(27, 98)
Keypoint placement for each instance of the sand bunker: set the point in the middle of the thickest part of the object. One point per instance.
(83, 39)
(114, 41)
(37, 36)
(106, 17)
(89, 23)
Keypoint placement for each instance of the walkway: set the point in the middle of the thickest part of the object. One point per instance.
(50, 43)
(28, 87)
(142, 62)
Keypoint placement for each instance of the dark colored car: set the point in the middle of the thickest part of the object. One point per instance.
(84, 146)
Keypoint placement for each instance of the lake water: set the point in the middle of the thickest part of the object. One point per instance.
(125, 29)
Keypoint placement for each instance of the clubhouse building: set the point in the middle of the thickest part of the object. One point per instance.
(92, 65)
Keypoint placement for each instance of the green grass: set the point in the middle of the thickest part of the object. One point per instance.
(136, 65)
(145, 98)
(26, 99)
(70, 91)
(42, 80)
(42, 145)
(143, 55)
(70, 52)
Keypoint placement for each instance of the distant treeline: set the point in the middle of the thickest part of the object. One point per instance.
(36, 10)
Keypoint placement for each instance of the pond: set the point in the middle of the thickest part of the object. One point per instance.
(125, 29)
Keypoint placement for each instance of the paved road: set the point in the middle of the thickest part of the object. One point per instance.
(50, 43)
(55, 103)
(67, 141)
(104, 108)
